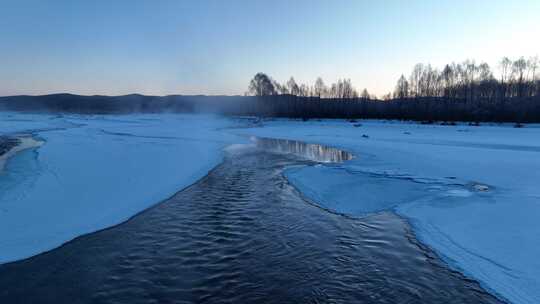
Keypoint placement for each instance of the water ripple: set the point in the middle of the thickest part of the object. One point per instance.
(241, 235)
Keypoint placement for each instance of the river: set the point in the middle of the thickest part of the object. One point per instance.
(243, 234)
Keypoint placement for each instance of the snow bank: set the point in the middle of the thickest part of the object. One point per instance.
(26, 142)
(471, 193)
(96, 171)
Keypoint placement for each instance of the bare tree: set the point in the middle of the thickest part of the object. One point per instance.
(415, 79)
(304, 90)
(294, 89)
(280, 89)
(504, 65)
(262, 85)
(347, 89)
(518, 72)
(448, 78)
(402, 88)
(387, 96)
(532, 66)
(365, 94)
(470, 77)
(320, 89)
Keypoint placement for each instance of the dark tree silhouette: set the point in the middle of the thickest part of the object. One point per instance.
(466, 91)
(293, 88)
(365, 94)
(320, 89)
(262, 85)
(402, 88)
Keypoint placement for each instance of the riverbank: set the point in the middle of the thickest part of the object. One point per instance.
(243, 234)
(471, 193)
(97, 171)
(7, 143)
(10, 146)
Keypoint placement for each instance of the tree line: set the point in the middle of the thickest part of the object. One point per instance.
(471, 81)
(459, 91)
(264, 85)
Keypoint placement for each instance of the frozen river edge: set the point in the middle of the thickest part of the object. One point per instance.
(456, 219)
(470, 193)
(60, 191)
(232, 225)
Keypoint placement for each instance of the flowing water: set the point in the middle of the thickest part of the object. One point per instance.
(242, 234)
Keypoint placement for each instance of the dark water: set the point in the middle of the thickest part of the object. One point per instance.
(241, 235)
(6, 143)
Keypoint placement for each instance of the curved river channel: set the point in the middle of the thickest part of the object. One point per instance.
(243, 234)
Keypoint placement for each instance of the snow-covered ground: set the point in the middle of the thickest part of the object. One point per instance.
(92, 172)
(471, 193)
(26, 142)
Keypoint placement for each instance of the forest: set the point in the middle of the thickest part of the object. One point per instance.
(464, 91)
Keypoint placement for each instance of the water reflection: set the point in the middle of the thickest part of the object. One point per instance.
(313, 152)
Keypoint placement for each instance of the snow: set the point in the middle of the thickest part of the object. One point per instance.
(24, 143)
(92, 172)
(470, 193)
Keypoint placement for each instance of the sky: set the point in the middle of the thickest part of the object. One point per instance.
(215, 47)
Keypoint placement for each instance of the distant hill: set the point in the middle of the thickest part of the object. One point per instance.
(427, 109)
(136, 103)
(92, 104)
(133, 103)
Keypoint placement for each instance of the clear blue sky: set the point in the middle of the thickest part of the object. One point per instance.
(215, 47)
